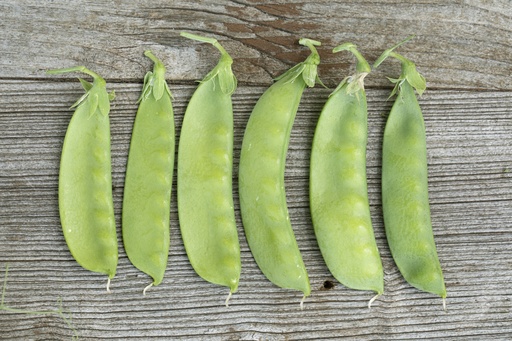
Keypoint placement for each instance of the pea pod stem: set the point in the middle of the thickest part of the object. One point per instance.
(314, 56)
(408, 72)
(213, 41)
(157, 62)
(362, 65)
(74, 69)
(388, 52)
(355, 83)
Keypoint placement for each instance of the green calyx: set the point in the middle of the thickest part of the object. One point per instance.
(308, 68)
(409, 72)
(354, 83)
(154, 81)
(96, 96)
(222, 70)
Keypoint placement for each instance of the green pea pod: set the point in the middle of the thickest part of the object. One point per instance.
(205, 175)
(405, 200)
(261, 176)
(338, 190)
(148, 183)
(85, 180)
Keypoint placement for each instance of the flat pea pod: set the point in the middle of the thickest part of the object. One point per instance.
(405, 201)
(338, 189)
(85, 180)
(205, 174)
(148, 182)
(261, 176)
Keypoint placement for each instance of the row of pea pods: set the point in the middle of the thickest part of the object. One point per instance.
(338, 188)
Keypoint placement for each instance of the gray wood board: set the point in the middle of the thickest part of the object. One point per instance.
(469, 155)
(462, 47)
(458, 44)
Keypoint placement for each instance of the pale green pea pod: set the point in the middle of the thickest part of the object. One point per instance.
(261, 176)
(85, 180)
(205, 174)
(338, 189)
(405, 201)
(148, 183)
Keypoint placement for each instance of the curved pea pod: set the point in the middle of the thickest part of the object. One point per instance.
(85, 180)
(205, 175)
(261, 176)
(338, 190)
(405, 199)
(148, 183)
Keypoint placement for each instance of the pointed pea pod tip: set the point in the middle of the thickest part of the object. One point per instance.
(373, 300)
(302, 302)
(228, 298)
(146, 289)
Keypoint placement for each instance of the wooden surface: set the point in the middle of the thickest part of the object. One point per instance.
(462, 47)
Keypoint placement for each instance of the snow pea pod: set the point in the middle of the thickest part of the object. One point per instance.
(85, 180)
(205, 175)
(338, 188)
(261, 176)
(148, 183)
(405, 199)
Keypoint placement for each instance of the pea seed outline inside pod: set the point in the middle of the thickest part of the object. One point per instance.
(405, 183)
(205, 172)
(148, 178)
(85, 181)
(261, 176)
(339, 203)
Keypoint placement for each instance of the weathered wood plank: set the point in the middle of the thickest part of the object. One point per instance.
(470, 157)
(459, 44)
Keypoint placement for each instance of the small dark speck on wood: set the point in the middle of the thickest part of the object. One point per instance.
(328, 285)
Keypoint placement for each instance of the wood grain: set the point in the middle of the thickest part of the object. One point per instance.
(462, 47)
(458, 45)
(469, 139)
